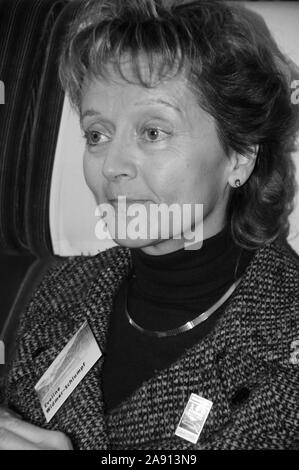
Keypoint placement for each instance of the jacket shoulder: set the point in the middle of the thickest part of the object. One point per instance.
(283, 251)
(286, 274)
(271, 311)
(278, 271)
(65, 283)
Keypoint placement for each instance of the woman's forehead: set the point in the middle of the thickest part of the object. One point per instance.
(120, 101)
(123, 97)
(112, 87)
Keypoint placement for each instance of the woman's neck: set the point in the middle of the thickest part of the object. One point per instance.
(183, 277)
(192, 242)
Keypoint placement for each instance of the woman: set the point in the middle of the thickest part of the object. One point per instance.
(188, 104)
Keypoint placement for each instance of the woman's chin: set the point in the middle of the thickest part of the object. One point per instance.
(152, 247)
(135, 243)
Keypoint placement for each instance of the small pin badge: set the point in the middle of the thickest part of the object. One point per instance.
(193, 418)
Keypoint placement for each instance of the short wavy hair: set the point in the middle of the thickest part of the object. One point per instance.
(236, 70)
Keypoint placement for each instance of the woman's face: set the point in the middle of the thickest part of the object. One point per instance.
(154, 145)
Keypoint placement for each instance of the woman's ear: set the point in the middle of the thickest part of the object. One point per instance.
(242, 166)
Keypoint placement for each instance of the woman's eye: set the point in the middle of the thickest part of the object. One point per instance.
(95, 137)
(154, 134)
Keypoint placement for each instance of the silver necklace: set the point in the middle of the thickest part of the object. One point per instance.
(187, 326)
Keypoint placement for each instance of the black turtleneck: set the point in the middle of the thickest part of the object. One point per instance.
(165, 292)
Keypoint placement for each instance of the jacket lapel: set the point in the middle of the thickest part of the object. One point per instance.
(85, 408)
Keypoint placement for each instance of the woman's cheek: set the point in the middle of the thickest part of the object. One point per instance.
(92, 176)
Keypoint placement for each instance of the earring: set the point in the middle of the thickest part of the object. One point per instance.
(237, 183)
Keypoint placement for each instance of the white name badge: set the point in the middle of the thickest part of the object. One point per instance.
(68, 369)
(193, 418)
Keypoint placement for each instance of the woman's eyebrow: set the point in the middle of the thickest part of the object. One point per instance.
(92, 112)
(158, 101)
(89, 112)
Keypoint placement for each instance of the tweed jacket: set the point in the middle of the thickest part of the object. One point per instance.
(247, 365)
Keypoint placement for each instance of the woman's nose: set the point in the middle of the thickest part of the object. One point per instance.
(119, 161)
